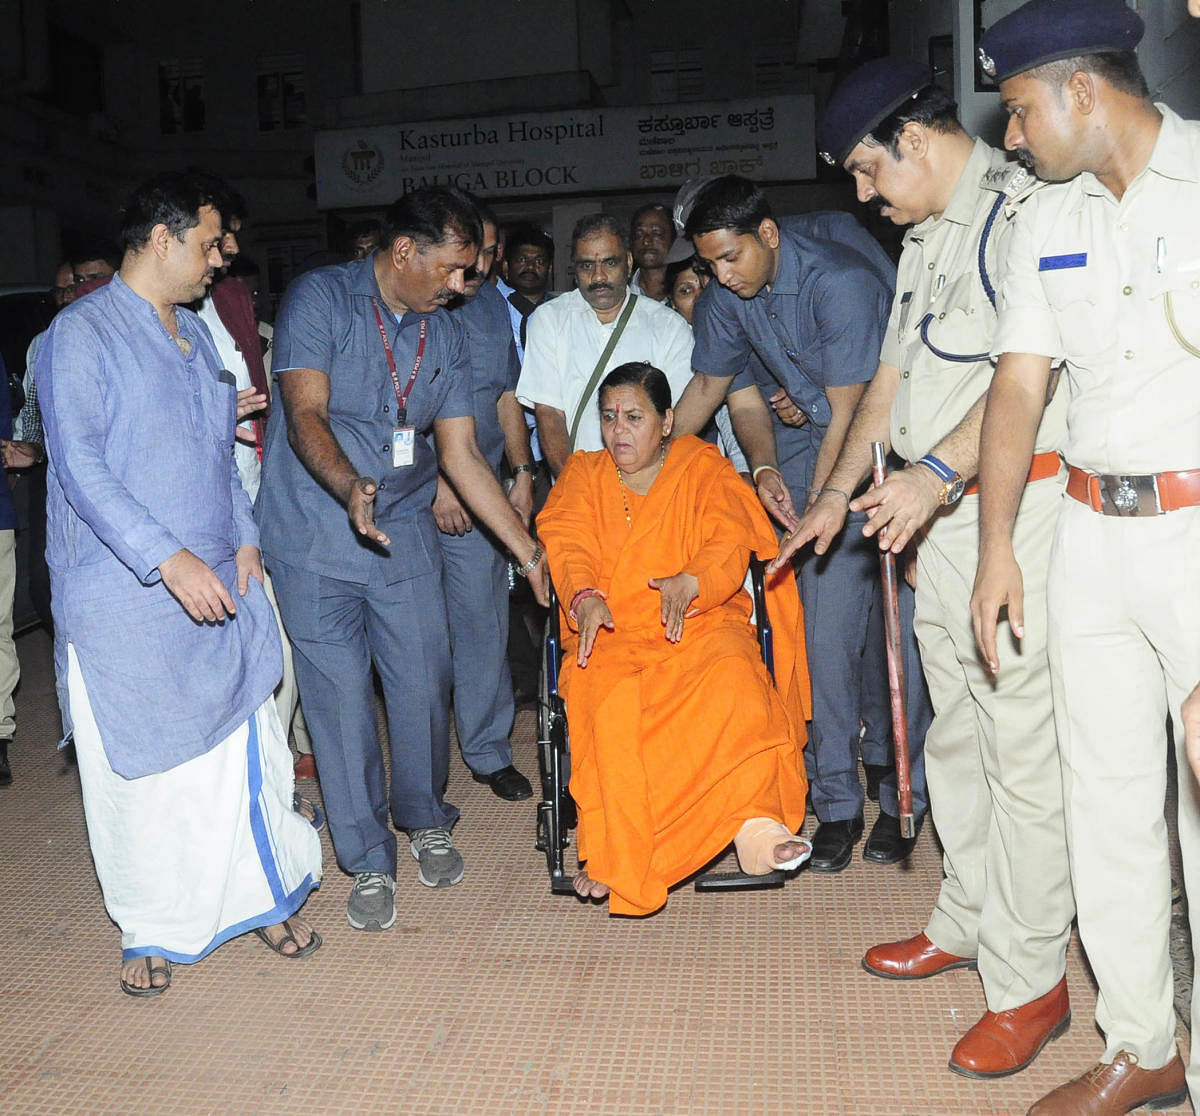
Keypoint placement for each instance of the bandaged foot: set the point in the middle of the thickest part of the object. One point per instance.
(765, 845)
(587, 888)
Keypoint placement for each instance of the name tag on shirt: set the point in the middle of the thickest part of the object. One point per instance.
(1059, 263)
(403, 442)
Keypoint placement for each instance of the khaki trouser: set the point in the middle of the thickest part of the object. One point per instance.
(992, 763)
(1124, 652)
(10, 667)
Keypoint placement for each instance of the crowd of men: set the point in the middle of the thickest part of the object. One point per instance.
(239, 546)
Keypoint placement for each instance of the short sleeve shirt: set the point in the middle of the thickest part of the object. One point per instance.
(328, 322)
(818, 325)
(494, 364)
(1112, 289)
(565, 339)
(943, 322)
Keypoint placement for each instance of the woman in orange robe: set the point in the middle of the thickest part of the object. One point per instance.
(679, 741)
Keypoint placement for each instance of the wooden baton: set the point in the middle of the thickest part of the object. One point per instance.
(895, 660)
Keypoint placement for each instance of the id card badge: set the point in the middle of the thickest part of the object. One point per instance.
(402, 446)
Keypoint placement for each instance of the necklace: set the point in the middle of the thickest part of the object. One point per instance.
(621, 481)
(624, 498)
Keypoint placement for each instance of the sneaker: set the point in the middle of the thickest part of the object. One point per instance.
(441, 866)
(372, 902)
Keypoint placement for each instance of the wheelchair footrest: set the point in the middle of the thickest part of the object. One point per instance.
(739, 881)
(561, 885)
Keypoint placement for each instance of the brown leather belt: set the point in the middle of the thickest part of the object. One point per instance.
(1134, 494)
(1042, 467)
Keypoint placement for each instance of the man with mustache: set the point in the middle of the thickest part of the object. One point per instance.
(369, 365)
(574, 340)
(1103, 278)
(652, 232)
(991, 754)
(525, 277)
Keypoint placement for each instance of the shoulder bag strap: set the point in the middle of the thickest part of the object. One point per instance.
(598, 371)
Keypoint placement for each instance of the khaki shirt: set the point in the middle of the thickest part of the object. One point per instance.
(939, 276)
(1112, 289)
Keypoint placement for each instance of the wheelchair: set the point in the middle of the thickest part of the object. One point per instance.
(556, 813)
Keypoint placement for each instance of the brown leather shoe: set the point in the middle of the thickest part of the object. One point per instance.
(912, 959)
(306, 767)
(1117, 1088)
(1005, 1042)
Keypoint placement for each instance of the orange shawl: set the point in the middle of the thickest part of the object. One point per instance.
(673, 746)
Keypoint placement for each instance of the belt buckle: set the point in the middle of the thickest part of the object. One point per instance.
(1129, 494)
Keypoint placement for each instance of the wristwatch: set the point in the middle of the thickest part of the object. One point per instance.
(952, 482)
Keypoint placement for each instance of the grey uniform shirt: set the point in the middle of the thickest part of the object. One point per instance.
(327, 322)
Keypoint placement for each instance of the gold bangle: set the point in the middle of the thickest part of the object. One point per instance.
(765, 468)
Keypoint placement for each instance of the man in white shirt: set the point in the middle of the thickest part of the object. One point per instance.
(567, 338)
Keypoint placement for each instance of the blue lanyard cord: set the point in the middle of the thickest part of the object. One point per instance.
(956, 358)
(988, 289)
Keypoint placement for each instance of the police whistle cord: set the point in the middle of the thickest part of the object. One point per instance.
(895, 661)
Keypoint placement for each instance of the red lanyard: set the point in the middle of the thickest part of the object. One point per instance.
(401, 396)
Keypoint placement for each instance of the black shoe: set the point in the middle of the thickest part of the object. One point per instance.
(885, 845)
(833, 844)
(5, 769)
(875, 773)
(507, 783)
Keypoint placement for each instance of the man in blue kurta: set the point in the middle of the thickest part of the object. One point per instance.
(166, 651)
(802, 304)
(474, 568)
(370, 363)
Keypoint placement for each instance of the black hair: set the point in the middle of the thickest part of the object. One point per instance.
(643, 374)
(653, 207)
(432, 215)
(729, 202)
(597, 224)
(677, 268)
(105, 250)
(172, 198)
(226, 200)
(1120, 68)
(530, 236)
(932, 108)
(485, 211)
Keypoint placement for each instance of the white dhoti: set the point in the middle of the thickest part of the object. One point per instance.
(190, 857)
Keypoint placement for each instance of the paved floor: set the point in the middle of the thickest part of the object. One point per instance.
(491, 997)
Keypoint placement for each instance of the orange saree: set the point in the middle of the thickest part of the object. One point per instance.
(673, 746)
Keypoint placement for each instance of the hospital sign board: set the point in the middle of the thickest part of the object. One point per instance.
(578, 151)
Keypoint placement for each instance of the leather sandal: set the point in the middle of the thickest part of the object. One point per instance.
(277, 947)
(153, 989)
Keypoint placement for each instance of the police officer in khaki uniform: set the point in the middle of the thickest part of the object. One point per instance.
(1103, 275)
(991, 754)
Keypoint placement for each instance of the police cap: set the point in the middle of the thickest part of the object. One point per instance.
(862, 100)
(1046, 30)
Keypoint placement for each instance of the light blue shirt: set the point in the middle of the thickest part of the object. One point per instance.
(140, 445)
(327, 322)
(495, 366)
(820, 324)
